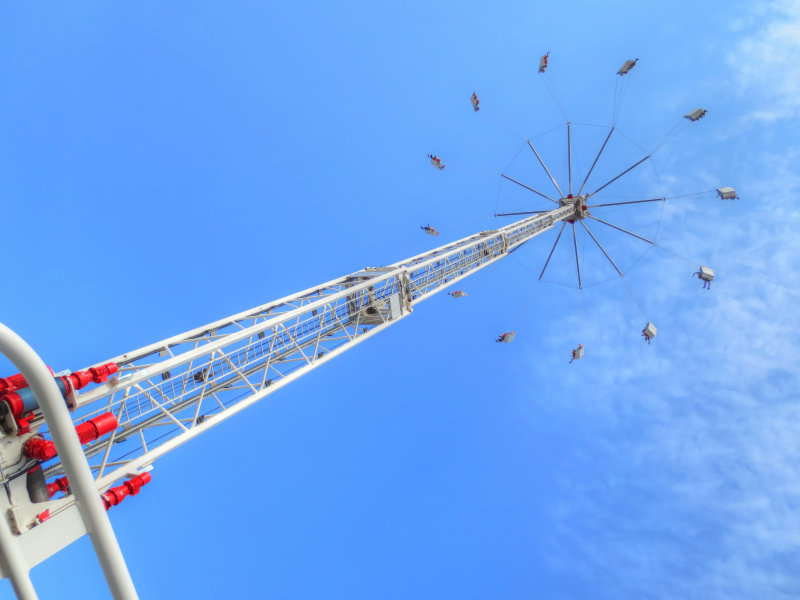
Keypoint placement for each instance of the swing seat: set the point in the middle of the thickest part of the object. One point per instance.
(706, 273)
(627, 66)
(697, 113)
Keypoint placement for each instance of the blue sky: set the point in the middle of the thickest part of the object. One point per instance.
(166, 164)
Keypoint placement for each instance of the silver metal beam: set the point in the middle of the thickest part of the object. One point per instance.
(569, 155)
(603, 250)
(626, 202)
(525, 212)
(577, 259)
(596, 158)
(628, 170)
(504, 176)
(546, 170)
(622, 230)
(553, 249)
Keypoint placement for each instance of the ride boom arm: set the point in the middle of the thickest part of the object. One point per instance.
(169, 392)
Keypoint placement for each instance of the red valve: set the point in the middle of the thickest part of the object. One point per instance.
(131, 487)
(59, 485)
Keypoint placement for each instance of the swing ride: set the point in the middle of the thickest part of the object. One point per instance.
(583, 204)
(136, 407)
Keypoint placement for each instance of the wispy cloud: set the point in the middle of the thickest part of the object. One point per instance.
(693, 482)
(765, 62)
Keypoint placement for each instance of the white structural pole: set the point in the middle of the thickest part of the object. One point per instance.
(14, 564)
(75, 466)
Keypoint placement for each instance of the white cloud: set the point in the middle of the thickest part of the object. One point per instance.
(699, 456)
(766, 60)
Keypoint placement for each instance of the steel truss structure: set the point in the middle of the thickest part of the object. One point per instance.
(169, 392)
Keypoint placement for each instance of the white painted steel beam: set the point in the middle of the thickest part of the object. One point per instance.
(174, 390)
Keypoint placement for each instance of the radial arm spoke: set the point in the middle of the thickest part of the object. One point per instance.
(569, 154)
(628, 202)
(596, 158)
(504, 176)
(549, 256)
(628, 170)
(541, 162)
(577, 260)
(603, 250)
(622, 230)
(527, 212)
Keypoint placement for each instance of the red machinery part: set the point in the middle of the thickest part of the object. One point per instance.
(80, 379)
(15, 403)
(59, 485)
(100, 425)
(103, 372)
(39, 449)
(131, 487)
(15, 392)
(15, 382)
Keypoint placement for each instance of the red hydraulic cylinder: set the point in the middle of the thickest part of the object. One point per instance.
(42, 449)
(131, 487)
(100, 425)
(20, 398)
(81, 379)
(14, 382)
(59, 485)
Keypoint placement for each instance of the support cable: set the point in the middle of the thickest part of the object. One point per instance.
(635, 301)
(483, 114)
(551, 87)
(675, 254)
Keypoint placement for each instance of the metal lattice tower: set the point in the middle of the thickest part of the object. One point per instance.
(171, 391)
